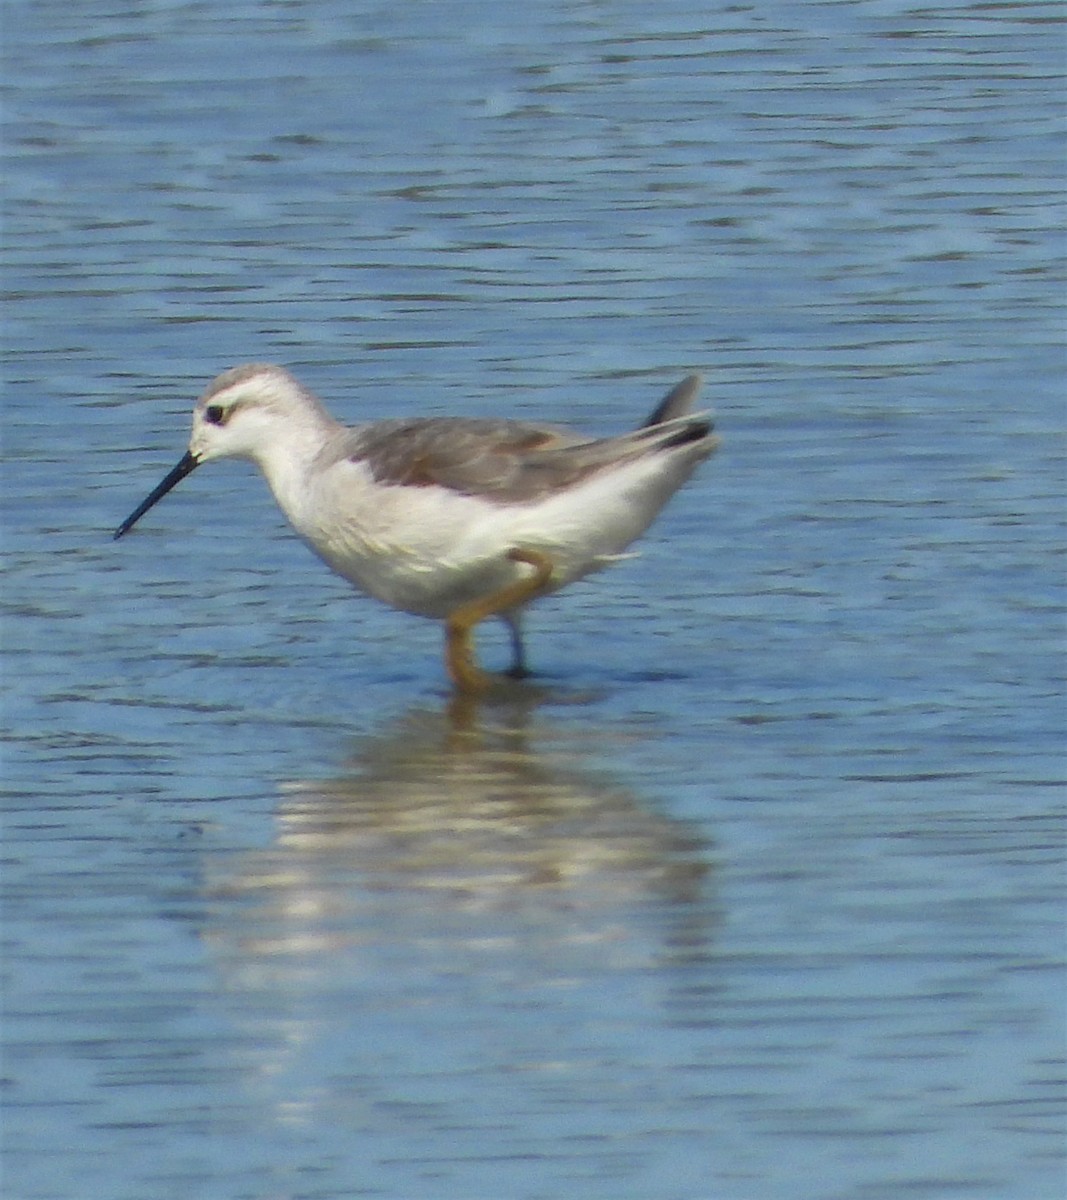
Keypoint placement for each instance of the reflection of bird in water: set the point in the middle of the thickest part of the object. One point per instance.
(465, 922)
(454, 830)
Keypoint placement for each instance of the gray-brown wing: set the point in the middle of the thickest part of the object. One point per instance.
(479, 457)
(505, 461)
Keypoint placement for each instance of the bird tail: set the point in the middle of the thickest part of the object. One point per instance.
(678, 402)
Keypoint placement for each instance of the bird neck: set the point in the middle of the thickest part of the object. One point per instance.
(286, 462)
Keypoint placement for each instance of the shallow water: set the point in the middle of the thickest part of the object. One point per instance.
(758, 892)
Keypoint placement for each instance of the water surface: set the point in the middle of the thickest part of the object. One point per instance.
(758, 893)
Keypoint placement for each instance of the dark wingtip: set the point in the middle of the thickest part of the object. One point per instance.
(693, 431)
(677, 403)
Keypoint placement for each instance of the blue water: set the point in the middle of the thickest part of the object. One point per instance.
(757, 894)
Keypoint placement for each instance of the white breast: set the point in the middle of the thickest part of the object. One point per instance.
(426, 550)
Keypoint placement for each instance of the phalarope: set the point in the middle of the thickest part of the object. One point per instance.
(454, 518)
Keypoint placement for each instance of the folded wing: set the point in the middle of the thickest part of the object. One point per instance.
(511, 462)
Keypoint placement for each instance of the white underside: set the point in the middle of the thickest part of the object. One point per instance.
(427, 550)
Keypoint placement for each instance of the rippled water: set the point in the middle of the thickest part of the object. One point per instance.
(757, 893)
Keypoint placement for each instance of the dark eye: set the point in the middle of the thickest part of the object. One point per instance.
(213, 414)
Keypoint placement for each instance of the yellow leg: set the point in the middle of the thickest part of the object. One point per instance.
(466, 675)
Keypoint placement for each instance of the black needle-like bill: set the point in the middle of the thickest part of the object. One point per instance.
(175, 477)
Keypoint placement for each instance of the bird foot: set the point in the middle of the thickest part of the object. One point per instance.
(466, 675)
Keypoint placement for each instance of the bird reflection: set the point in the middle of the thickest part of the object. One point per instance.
(462, 891)
(465, 824)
